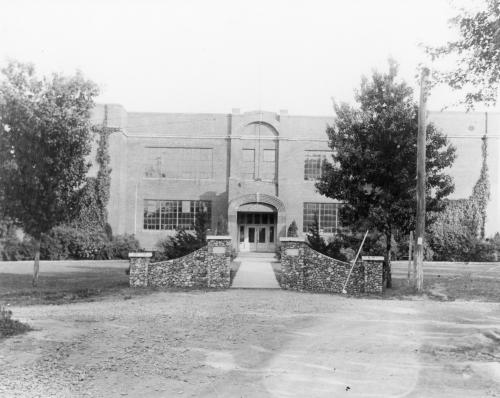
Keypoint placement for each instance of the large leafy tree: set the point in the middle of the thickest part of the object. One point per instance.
(45, 137)
(475, 53)
(374, 157)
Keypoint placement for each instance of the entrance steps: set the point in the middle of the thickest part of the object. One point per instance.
(255, 271)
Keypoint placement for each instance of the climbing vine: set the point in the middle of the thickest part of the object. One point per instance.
(481, 192)
(458, 231)
(94, 196)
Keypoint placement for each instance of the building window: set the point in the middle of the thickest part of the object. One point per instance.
(174, 214)
(268, 165)
(248, 164)
(327, 213)
(313, 164)
(179, 163)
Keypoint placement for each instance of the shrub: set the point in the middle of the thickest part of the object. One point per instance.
(14, 249)
(122, 245)
(183, 242)
(9, 326)
(314, 238)
(69, 242)
(292, 231)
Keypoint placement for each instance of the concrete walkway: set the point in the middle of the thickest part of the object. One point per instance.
(255, 271)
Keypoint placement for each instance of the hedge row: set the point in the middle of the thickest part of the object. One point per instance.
(66, 242)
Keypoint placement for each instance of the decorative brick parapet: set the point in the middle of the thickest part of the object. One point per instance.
(207, 267)
(139, 268)
(373, 273)
(306, 269)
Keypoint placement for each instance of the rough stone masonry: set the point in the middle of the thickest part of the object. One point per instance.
(208, 267)
(306, 269)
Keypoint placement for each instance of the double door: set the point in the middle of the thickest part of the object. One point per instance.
(255, 237)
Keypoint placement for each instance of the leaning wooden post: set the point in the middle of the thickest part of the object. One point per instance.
(421, 180)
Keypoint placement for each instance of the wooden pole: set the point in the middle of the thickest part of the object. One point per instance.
(410, 250)
(420, 228)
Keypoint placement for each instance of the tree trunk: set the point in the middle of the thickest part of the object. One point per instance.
(388, 276)
(36, 266)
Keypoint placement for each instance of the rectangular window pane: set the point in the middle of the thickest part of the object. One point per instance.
(264, 218)
(271, 234)
(327, 214)
(179, 163)
(269, 155)
(256, 218)
(262, 235)
(251, 235)
(242, 233)
(248, 164)
(313, 164)
(173, 214)
(249, 218)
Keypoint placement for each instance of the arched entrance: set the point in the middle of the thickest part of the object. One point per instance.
(255, 222)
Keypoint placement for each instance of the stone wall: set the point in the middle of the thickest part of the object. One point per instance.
(207, 267)
(305, 269)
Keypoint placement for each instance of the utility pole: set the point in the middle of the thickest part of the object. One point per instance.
(410, 252)
(421, 180)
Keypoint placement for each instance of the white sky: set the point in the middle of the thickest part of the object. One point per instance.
(212, 56)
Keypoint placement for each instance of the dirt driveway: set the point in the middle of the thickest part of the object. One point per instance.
(254, 343)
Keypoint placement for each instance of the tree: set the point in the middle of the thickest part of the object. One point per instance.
(476, 53)
(45, 137)
(374, 150)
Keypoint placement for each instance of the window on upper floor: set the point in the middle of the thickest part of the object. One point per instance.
(327, 213)
(313, 164)
(248, 164)
(268, 165)
(174, 214)
(179, 163)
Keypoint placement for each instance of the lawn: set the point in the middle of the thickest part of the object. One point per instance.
(62, 282)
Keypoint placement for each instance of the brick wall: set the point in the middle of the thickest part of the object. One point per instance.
(305, 269)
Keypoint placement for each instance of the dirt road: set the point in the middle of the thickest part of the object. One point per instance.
(255, 343)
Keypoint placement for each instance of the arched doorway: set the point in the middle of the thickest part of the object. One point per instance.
(255, 222)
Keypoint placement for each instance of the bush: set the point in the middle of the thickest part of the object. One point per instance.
(9, 326)
(14, 249)
(66, 242)
(183, 242)
(122, 245)
(292, 231)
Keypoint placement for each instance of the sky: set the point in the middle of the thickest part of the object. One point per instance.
(213, 56)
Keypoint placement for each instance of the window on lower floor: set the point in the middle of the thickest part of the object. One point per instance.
(174, 214)
(327, 213)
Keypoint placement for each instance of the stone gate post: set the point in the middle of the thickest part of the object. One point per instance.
(139, 264)
(218, 261)
(373, 273)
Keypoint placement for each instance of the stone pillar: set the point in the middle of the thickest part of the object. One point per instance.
(139, 264)
(373, 266)
(218, 261)
(293, 253)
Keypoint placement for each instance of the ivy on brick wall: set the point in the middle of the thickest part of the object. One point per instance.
(458, 231)
(481, 192)
(94, 196)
